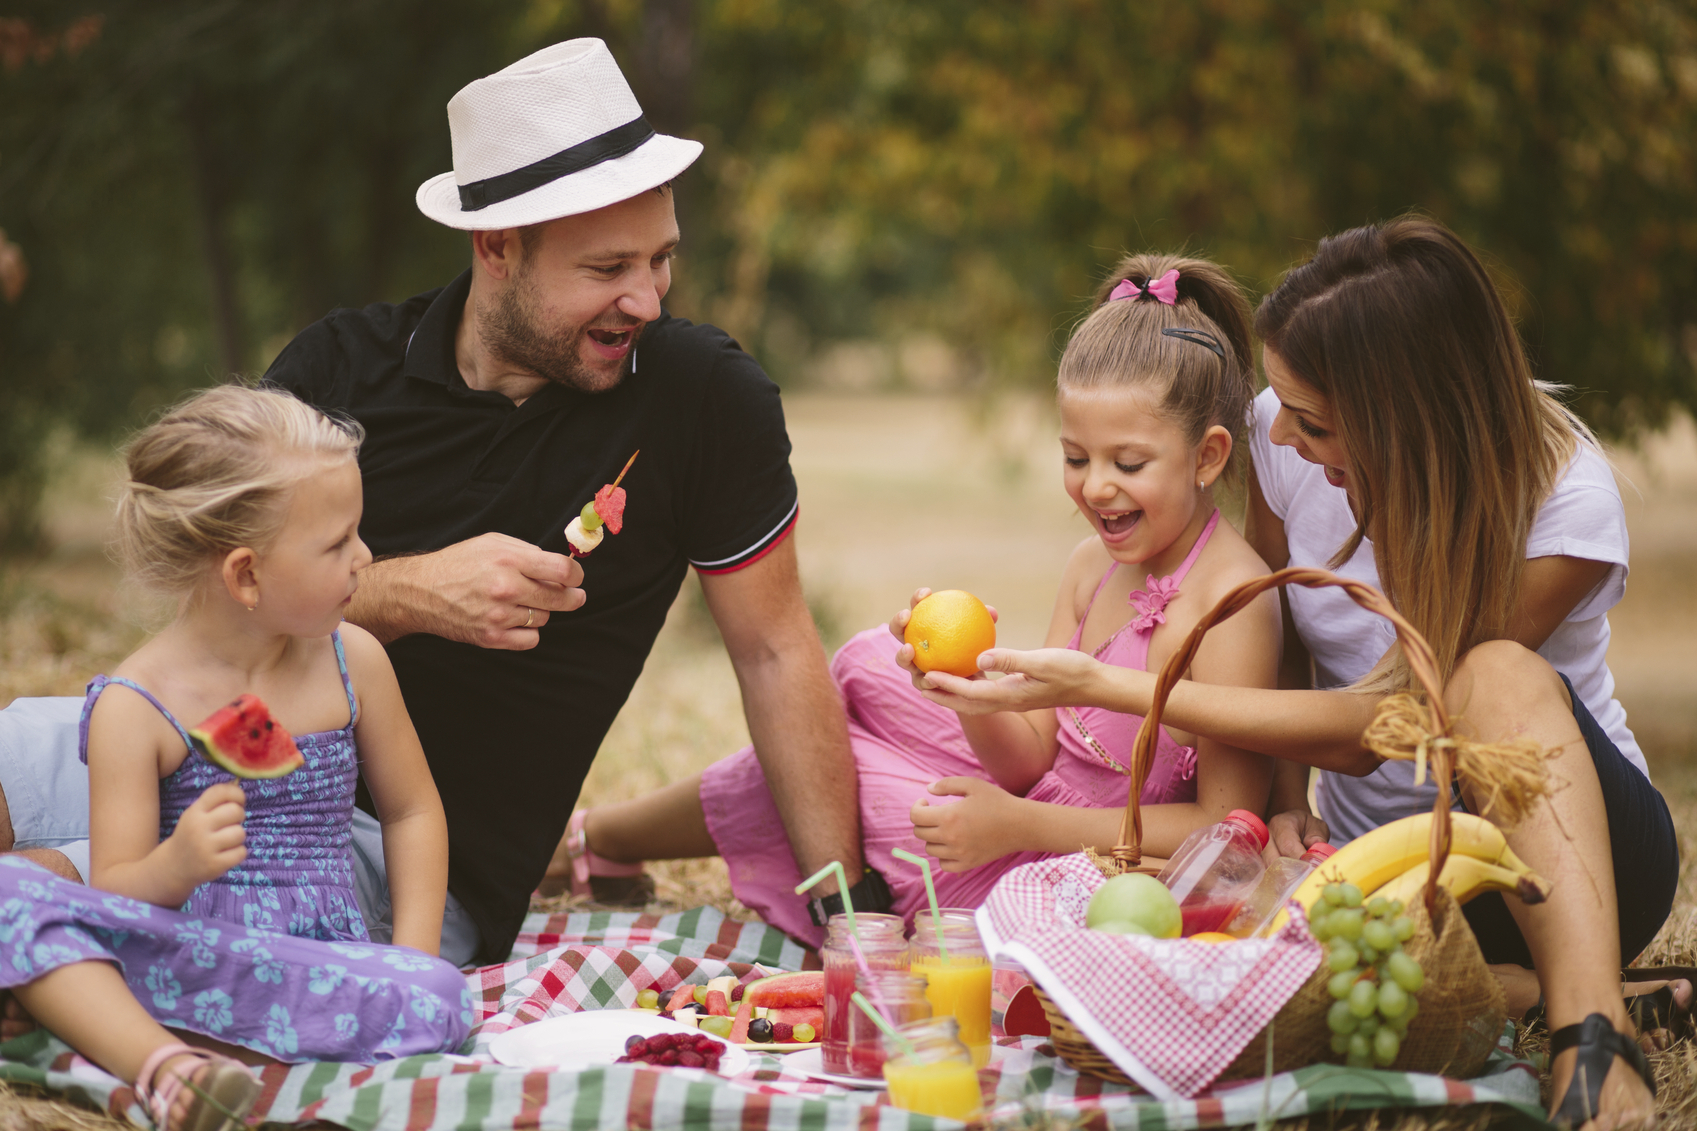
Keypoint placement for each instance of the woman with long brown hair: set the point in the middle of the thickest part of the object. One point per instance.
(1404, 441)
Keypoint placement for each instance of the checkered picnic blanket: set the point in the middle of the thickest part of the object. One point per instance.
(600, 960)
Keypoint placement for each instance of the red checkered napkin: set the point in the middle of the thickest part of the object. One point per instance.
(1170, 1012)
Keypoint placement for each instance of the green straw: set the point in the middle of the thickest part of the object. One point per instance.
(888, 1029)
(931, 894)
(835, 866)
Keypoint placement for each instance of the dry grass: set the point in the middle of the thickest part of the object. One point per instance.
(986, 472)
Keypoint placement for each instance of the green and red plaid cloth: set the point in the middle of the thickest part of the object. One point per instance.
(564, 963)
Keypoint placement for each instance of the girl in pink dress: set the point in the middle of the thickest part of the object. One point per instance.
(1153, 391)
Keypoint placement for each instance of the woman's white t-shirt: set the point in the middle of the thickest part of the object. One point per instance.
(1583, 518)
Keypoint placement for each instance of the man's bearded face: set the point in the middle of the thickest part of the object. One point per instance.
(513, 329)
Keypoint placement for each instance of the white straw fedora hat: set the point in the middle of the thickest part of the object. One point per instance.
(555, 134)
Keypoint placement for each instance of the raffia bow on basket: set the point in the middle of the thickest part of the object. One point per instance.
(1462, 1008)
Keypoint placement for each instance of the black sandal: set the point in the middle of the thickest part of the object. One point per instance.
(1599, 1044)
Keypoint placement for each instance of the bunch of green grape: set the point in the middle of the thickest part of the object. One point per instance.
(1373, 980)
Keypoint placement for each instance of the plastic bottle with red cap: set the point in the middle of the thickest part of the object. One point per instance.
(1281, 879)
(1215, 870)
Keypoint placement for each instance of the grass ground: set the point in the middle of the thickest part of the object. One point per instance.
(896, 493)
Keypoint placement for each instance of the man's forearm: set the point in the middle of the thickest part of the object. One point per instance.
(381, 604)
(795, 718)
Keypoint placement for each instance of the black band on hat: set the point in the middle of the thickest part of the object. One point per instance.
(615, 142)
(1201, 337)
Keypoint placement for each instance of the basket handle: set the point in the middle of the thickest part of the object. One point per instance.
(1127, 853)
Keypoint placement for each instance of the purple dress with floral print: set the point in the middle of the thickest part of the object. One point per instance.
(273, 955)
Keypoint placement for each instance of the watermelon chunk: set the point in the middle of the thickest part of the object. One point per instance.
(789, 990)
(745, 1015)
(681, 997)
(244, 739)
(813, 1015)
(610, 505)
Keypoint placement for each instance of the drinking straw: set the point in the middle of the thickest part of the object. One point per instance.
(836, 867)
(931, 894)
(888, 1029)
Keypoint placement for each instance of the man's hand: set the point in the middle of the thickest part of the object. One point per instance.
(493, 591)
(966, 833)
(1293, 833)
(209, 838)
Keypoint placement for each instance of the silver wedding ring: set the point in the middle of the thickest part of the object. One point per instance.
(529, 616)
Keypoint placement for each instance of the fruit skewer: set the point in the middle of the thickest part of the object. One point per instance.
(607, 509)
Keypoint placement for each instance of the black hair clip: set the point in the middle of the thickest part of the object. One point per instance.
(1201, 337)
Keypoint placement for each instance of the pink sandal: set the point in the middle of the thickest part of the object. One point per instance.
(625, 884)
(225, 1091)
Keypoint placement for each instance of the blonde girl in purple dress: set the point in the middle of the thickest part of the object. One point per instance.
(219, 909)
(1154, 392)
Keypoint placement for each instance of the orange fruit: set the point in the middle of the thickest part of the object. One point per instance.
(1212, 937)
(948, 630)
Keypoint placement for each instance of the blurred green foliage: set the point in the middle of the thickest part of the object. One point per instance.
(190, 183)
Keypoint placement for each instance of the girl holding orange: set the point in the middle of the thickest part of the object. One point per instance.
(1154, 393)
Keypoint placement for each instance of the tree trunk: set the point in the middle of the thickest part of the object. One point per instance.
(212, 193)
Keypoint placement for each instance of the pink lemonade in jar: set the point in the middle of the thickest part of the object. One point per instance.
(883, 945)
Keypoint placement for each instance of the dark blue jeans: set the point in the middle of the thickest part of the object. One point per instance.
(1643, 842)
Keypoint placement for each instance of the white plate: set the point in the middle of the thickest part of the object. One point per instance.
(592, 1038)
(811, 1063)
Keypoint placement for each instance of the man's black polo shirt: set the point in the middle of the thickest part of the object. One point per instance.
(510, 735)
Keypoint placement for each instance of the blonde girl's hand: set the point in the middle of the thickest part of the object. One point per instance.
(963, 834)
(904, 654)
(1040, 678)
(209, 838)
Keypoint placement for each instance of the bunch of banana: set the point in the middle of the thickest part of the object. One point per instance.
(1392, 861)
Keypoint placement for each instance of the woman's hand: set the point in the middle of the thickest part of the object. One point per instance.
(209, 839)
(904, 654)
(1043, 677)
(966, 833)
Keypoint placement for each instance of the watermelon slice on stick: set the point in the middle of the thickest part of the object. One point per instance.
(243, 738)
(607, 510)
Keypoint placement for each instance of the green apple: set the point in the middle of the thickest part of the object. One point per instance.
(1112, 927)
(1139, 900)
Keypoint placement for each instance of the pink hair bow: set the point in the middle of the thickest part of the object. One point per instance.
(1164, 289)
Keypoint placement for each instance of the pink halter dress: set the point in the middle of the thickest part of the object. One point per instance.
(902, 742)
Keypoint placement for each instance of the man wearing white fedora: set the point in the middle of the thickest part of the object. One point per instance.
(494, 409)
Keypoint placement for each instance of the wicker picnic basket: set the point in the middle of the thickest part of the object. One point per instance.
(1462, 1008)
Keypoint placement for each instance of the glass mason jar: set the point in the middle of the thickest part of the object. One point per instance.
(883, 946)
(900, 997)
(959, 987)
(932, 1074)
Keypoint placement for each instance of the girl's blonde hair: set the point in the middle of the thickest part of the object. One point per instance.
(1452, 443)
(215, 473)
(1122, 343)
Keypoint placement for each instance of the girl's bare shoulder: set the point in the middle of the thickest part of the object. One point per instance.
(1227, 562)
(1086, 565)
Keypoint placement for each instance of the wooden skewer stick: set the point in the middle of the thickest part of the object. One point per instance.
(626, 467)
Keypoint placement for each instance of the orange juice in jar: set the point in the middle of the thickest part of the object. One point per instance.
(929, 1072)
(957, 975)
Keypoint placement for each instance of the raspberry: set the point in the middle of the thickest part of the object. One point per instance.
(668, 1057)
(782, 1032)
(691, 1059)
(635, 1044)
(736, 992)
